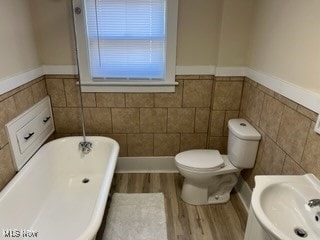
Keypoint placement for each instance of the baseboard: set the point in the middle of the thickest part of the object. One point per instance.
(244, 192)
(146, 165)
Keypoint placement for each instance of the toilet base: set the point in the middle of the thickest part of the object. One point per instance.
(216, 191)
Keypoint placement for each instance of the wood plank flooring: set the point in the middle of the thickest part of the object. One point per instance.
(184, 221)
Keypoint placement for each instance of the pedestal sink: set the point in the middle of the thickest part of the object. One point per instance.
(280, 205)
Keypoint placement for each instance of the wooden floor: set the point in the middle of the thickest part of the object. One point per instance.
(184, 221)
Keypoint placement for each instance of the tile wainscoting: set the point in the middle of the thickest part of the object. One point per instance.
(152, 124)
(163, 124)
(289, 144)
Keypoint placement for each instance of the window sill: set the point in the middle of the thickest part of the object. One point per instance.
(147, 87)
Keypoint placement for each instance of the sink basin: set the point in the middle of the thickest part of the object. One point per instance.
(280, 204)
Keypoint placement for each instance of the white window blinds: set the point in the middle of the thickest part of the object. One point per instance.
(126, 38)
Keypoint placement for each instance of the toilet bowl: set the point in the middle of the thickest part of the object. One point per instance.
(210, 176)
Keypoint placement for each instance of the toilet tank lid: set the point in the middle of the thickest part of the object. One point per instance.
(243, 129)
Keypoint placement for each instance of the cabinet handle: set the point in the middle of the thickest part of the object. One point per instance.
(29, 136)
(46, 119)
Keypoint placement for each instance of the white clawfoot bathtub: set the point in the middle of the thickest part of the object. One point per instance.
(48, 200)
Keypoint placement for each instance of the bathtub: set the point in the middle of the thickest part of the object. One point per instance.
(60, 194)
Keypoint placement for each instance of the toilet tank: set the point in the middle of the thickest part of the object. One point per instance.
(243, 142)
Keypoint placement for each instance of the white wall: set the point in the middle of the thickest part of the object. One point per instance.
(52, 20)
(199, 27)
(285, 41)
(235, 31)
(17, 44)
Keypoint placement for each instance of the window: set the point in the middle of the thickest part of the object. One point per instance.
(126, 45)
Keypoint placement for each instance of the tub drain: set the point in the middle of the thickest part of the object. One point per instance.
(85, 180)
(300, 232)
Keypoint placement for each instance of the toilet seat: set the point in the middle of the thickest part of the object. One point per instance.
(202, 160)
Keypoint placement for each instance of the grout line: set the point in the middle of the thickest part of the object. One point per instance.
(210, 112)
(305, 143)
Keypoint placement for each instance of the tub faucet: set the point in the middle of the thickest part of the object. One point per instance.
(314, 202)
(85, 147)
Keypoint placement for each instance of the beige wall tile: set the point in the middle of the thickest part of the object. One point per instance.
(254, 103)
(8, 111)
(67, 120)
(237, 78)
(202, 120)
(197, 93)
(293, 133)
(139, 100)
(39, 91)
(181, 120)
(193, 141)
(219, 143)
(229, 115)
(97, 120)
(140, 145)
(261, 147)
(170, 99)
(311, 156)
(227, 95)
(187, 77)
(23, 100)
(73, 95)
(55, 89)
(271, 115)
(153, 120)
(110, 100)
(61, 135)
(251, 82)
(166, 144)
(89, 100)
(72, 92)
(290, 167)
(249, 174)
(245, 97)
(273, 158)
(308, 113)
(122, 140)
(208, 77)
(125, 120)
(286, 101)
(7, 171)
(3, 137)
(217, 78)
(217, 123)
(266, 90)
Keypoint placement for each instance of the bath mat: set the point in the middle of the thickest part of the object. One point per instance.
(136, 216)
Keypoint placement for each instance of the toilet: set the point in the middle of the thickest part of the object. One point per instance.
(210, 176)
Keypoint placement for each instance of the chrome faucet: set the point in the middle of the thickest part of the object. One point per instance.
(85, 147)
(314, 202)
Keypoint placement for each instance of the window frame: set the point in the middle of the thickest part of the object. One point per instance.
(89, 85)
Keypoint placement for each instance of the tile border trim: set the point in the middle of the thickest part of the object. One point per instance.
(304, 97)
(9, 83)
